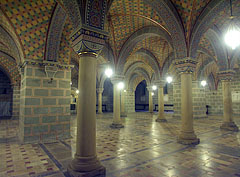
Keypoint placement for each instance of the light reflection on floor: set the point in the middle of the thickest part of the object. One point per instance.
(143, 148)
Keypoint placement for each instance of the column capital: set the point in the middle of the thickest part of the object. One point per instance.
(117, 78)
(186, 65)
(160, 83)
(88, 41)
(226, 75)
(100, 90)
(150, 89)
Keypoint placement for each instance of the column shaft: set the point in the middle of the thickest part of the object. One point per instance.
(116, 107)
(228, 123)
(123, 113)
(99, 102)
(150, 102)
(85, 160)
(161, 117)
(187, 135)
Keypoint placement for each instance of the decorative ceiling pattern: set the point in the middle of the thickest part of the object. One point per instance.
(127, 16)
(11, 68)
(31, 20)
(205, 43)
(189, 10)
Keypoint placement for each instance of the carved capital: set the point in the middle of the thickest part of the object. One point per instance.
(160, 83)
(100, 90)
(117, 78)
(226, 75)
(85, 40)
(186, 65)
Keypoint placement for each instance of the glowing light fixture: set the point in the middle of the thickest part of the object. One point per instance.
(169, 79)
(154, 87)
(152, 93)
(77, 91)
(120, 85)
(232, 36)
(108, 72)
(71, 83)
(203, 83)
(125, 90)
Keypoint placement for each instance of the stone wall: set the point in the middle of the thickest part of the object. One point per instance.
(44, 105)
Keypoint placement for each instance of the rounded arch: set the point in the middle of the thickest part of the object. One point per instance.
(152, 61)
(204, 22)
(136, 37)
(136, 66)
(7, 26)
(54, 33)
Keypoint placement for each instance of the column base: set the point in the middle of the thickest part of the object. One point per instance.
(229, 126)
(86, 167)
(116, 126)
(161, 120)
(99, 112)
(188, 138)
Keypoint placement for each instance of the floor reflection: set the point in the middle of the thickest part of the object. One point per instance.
(143, 148)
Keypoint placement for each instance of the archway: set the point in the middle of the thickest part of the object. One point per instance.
(6, 96)
(141, 97)
(107, 98)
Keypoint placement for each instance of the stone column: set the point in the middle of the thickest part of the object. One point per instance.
(161, 116)
(187, 135)
(123, 112)
(117, 123)
(85, 162)
(228, 123)
(100, 91)
(150, 100)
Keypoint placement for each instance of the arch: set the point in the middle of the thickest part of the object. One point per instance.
(137, 37)
(72, 9)
(8, 27)
(144, 73)
(206, 63)
(107, 52)
(10, 41)
(153, 61)
(132, 68)
(167, 63)
(54, 33)
(218, 47)
(204, 22)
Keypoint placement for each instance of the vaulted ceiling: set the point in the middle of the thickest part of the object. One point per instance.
(185, 22)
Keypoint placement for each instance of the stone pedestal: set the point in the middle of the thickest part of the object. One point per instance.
(228, 123)
(187, 135)
(117, 123)
(161, 117)
(99, 91)
(85, 162)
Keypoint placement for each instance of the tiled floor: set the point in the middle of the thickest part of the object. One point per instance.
(144, 148)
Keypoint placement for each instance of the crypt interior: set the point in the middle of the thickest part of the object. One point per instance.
(119, 88)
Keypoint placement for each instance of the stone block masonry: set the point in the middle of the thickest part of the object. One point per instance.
(199, 100)
(130, 101)
(44, 104)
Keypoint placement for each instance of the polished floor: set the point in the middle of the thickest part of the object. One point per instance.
(144, 148)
